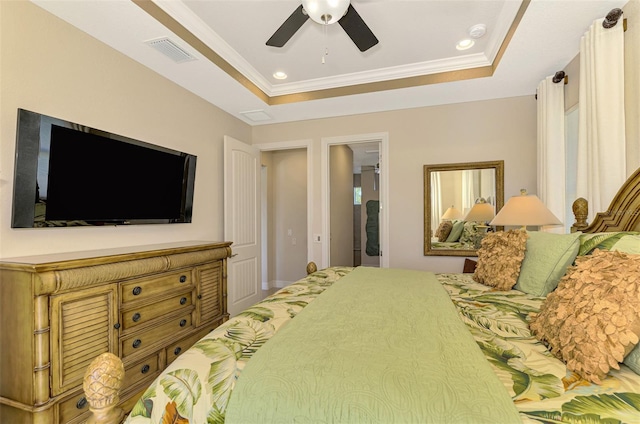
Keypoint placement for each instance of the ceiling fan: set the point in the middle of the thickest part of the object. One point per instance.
(326, 12)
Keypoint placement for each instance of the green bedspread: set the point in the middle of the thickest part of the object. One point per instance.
(340, 361)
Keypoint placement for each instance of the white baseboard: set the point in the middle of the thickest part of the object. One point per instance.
(278, 284)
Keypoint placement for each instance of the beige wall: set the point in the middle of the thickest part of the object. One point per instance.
(468, 132)
(51, 67)
(341, 201)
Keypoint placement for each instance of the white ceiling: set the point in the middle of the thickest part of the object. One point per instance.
(417, 38)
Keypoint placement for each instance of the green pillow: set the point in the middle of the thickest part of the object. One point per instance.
(632, 360)
(629, 243)
(545, 261)
(624, 241)
(456, 231)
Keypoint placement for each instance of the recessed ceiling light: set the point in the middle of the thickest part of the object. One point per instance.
(465, 44)
(279, 75)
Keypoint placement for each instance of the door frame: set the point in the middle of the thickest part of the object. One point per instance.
(298, 144)
(327, 142)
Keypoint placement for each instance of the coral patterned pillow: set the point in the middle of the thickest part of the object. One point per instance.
(499, 259)
(592, 320)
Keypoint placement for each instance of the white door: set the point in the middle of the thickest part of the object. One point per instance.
(242, 223)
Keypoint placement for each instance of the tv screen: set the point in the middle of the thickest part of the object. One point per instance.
(71, 175)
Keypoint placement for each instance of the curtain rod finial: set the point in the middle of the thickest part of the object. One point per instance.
(559, 76)
(612, 18)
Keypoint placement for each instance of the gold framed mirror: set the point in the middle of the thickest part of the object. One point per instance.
(451, 191)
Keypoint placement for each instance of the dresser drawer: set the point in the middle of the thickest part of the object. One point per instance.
(140, 370)
(175, 349)
(143, 340)
(73, 407)
(145, 313)
(148, 287)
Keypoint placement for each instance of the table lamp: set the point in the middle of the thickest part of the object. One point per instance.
(523, 210)
(481, 212)
(451, 213)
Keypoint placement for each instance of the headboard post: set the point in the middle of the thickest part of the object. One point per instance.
(580, 211)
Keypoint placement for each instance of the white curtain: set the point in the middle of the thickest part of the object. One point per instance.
(551, 150)
(601, 132)
(468, 190)
(436, 202)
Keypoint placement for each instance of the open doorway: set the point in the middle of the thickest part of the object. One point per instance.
(378, 174)
(285, 210)
(285, 216)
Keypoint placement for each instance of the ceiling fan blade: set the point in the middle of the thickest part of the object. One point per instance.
(288, 28)
(357, 30)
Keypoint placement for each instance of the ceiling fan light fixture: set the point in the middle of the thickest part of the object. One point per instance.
(325, 11)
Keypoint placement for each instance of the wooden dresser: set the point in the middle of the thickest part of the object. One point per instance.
(145, 304)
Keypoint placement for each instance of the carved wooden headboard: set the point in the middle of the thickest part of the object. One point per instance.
(623, 213)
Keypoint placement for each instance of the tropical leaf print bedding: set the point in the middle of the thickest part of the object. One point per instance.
(197, 386)
(543, 390)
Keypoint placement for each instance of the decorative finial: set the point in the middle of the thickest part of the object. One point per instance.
(311, 268)
(612, 18)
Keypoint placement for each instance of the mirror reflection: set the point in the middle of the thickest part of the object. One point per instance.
(460, 201)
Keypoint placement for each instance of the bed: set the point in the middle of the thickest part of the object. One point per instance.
(388, 345)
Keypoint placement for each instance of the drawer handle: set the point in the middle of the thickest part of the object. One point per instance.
(183, 300)
(177, 350)
(199, 296)
(145, 369)
(183, 278)
(116, 325)
(136, 343)
(183, 322)
(136, 317)
(81, 403)
(137, 290)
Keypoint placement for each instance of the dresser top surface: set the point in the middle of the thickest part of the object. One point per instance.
(143, 250)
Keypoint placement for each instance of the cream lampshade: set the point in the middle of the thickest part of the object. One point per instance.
(480, 212)
(524, 210)
(451, 213)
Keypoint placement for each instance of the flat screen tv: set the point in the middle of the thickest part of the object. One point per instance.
(67, 174)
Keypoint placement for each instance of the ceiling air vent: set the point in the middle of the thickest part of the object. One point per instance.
(170, 49)
(256, 115)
